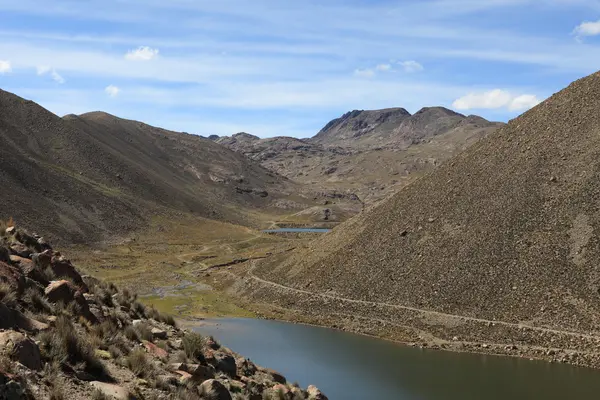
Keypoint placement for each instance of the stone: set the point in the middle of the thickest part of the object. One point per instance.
(11, 230)
(201, 372)
(176, 344)
(42, 260)
(155, 351)
(225, 363)
(20, 348)
(13, 319)
(60, 291)
(110, 390)
(184, 377)
(12, 276)
(212, 389)
(159, 334)
(315, 394)
(19, 249)
(245, 367)
(178, 367)
(277, 377)
(63, 268)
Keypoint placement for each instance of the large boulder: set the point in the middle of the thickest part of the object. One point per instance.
(19, 347)
(225, 363)
(13, 319)
(29, 269)
(63, 268)
(212, 389)
(67, 293)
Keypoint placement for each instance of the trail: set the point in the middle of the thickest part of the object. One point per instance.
(420, 310)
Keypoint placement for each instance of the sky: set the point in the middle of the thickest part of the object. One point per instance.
(282, 67)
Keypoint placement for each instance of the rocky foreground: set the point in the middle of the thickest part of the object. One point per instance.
(63, 335)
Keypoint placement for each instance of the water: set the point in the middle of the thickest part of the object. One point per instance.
(297, 230)
(347, 366)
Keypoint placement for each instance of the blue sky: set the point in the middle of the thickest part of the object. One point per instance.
(288, 67)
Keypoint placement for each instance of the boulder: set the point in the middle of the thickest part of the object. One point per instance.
(213, 390)
(60, 291)
(13, 319)
(110, 390)
(277, 377)
(4, 254)
(63, 268)
(20, 250)
(315, 394)
(11, 388)
(20, 348)
(29, 269)
(201, 372)
(225, 363)
(42, 260)
(185, 377)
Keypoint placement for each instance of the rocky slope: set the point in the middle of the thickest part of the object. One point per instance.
(63, 335)
(84, 177)
(497, 245)
(369, 153)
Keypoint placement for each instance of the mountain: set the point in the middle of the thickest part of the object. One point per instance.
(499, 244)
(86, 176)
(369, 153)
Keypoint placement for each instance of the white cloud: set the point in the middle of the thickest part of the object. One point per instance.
(364, 73)
(142, 53)
(411, 66)
(5, 67)
(44, 69)
(384, 67)
(56, 76)
(112, 90)
(587, 29)
(496, 99)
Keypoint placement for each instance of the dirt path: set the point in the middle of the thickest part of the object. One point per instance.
(422, 311)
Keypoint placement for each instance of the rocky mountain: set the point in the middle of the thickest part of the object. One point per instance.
(369, 153)
(80, 177)
(497, 245)
(68, 336)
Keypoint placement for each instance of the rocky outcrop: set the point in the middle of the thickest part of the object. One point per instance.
(87, 331)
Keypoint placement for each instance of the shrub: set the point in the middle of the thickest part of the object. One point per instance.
(192, 345)
(144, 331)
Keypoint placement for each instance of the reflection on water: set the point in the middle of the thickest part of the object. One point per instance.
(347, 366)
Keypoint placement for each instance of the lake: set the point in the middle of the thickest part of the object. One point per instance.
(297, 230)
(346, 366)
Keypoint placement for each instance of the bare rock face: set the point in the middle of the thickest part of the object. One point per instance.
(212, 389)
(20, 348)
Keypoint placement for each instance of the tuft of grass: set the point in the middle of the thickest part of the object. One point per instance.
(193, 343)
(139, 363)
(8, 295)
(37, 302)
(144, 331)
(64, 344)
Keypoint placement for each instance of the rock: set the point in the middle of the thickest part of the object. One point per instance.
(225, 363)
(277, 377)
(13, 319)
(201, 372)
(11, 389)
(155, 351)
(20, 348)
(213, 390)
(245, 367)
(185, 377)
(110, 390)
(178, 367)
(90, 281)
(176, 344)
(60, 291)
(20, 250)
(159, 334)
(12, 276)
(42, 260)
(211, 343)
(315, 394)
(11, 230)
(281, 391)
(63, 268)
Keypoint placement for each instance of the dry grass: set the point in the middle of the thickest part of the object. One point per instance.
(193, 343)
(37, 302)
(139, 363)
(8, 295)
(65, 345)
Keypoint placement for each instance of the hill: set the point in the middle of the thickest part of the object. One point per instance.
(498, 245)
(84, 177)
(369, 153)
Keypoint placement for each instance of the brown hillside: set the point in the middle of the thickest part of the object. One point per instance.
(78, 178)
(505, 231)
